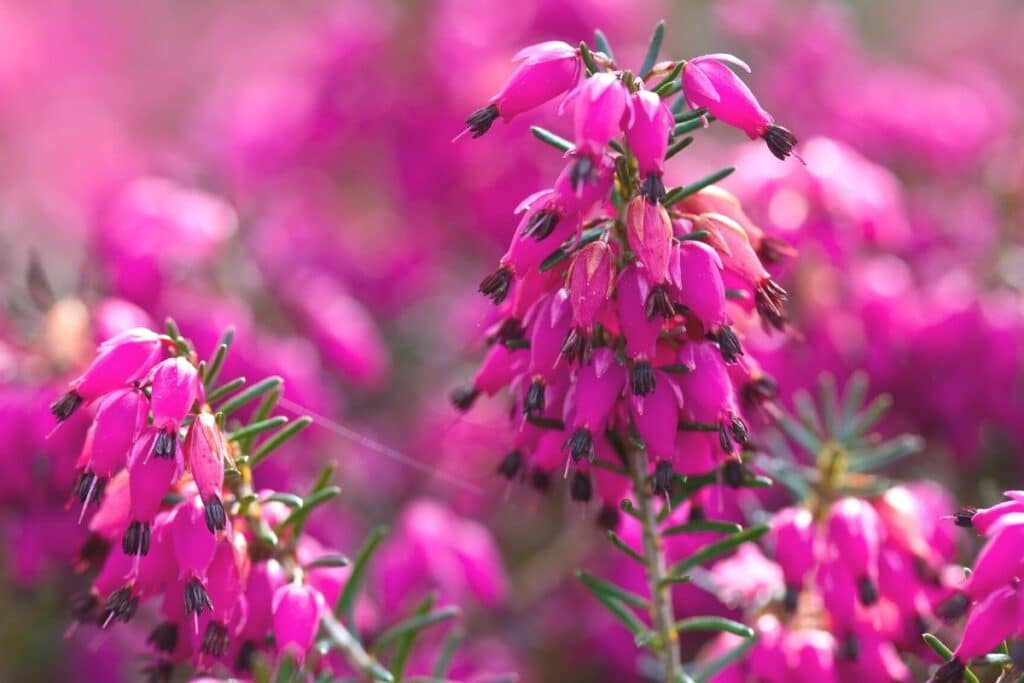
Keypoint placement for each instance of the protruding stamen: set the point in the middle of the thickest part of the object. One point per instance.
(464, 397)
(164, 638)
(768, 300)
(728, 344)
(540, 480)
(542, 224)
(582, 172)
(136, 538)
(121, 605)
(215, 640)
(163, 447)
(66, 405)
(867, 591)
(659, 302)
(779, 140)
(215, 515)
(496, 285)
(608, 517)
(965, 517)
(653, 188)
(580, 444)
(533, 404)
(580, 489)
(663, 475)
(481, 120)
(641, 378)
(511, 465)
(197, 600)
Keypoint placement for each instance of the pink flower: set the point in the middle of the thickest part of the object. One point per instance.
(148, 480)
(175, 388)
(205, 452)
(119, 360)
(641, 330)
(853, 538)
(598, 386)
(599, 104)
(297, 608)
(993, 619)
(793, 541)
(696, 275)
(647, 135)
(708, 83)
(649, 232)
(590, 282)
(546, 70)
(194, 548)
(118, 419)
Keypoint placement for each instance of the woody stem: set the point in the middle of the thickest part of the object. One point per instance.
(662, 614)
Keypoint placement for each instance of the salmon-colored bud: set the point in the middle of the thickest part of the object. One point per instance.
(206, 449)
(649, 231)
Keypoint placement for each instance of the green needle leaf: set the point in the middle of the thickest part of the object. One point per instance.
(250, 394)
(225, 389)
(688, 127)
(712, 668)
(871, 415)
(546, 136)
(715, 624)
(715, 550)
(690, 115)
(413, 626)
(564, 251)
(599, 586)
(347, 600)
(624, 547)
(887, 453)
(329, 561)
(678, 147)
(289, 499)
(703, 525)
(448, 648)
(941, 650)
(653, 49)
(257, 428)
(588, 59)
(298, 516)
(680, 193)
(602, 43)
(286, 433)
(670, 79)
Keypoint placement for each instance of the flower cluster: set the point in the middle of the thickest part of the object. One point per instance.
(992, 591)
(620, 304)
(227, 563)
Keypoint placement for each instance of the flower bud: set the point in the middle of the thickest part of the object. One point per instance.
(205, 452)
(263, 581)
(175, 388)
(590, 281)
(297, 608)
(696, 274)
(598, 386)
(709, 83)
(649, 231)
(641, 331)
(599, 105)
(119, 360)
(647, 135)
(853, 537)
(792, 536)
(546, 70)
(999, 560)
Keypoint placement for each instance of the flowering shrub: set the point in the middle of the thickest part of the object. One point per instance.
(613, 325)
(181, 519)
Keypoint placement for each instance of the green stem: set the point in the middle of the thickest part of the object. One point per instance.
(654, 559)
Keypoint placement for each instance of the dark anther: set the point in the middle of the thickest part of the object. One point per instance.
(965, 517)
(728, 344)
(83, 486)
(867, 591)
(849, 648)
(653, 188)
(724, 440)
(510, 465)
(164, 445)
(197, 600)
(697, 513)
(164, 638)
(773, 249)
(577, 346)
(215, 640)
(950, 672)
(792, 599)
(734, 474)
(246, 654)
(480, 121)
(780, 141)
(83, 606)
(608, 517)
(540, 480)
(216, 517)
(510, 330)
(953, 607)
(580, 445)
(768, 300)
(136, 538)
(542, 224)
(463, 397)
(1017, 653)
(92, 553)
(659, 302)
(496, 285)
(121, 605)
(580, 488)
(533, 404)
(64, 406)
(759, 391)
(663, 474)
(582, 171)
(738, 430)
(160, 671)
(641, 378)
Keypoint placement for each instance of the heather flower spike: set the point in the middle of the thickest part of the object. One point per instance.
(225, 561)
(612, 329)
(709, 83)
(545, 71)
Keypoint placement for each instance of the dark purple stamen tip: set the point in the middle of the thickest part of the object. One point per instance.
(653, 188)
(246, 656)
(540, 480)
(582, 172)
(197, 600)
(950, 672)
(580, 488)
(215, 640)
(136, 538)
(542, 224)
(608, 517)
(511, 465)
(734, 474)
(768, 301)
(496, 285)
(728, 344)
(164, 638)
(663, 475)
(641, 378)
(953, 607)
(867, 591)
(121, 605)
(163, 447)
(65, 406)
(533, 404)
(216, 517)
(577, 346)
(792, 599)
(464, 397)
(759, 391)
(659, 302)
(580, 444)
(965, 517)
(481, 120)
(779, 140)
(83, 606)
